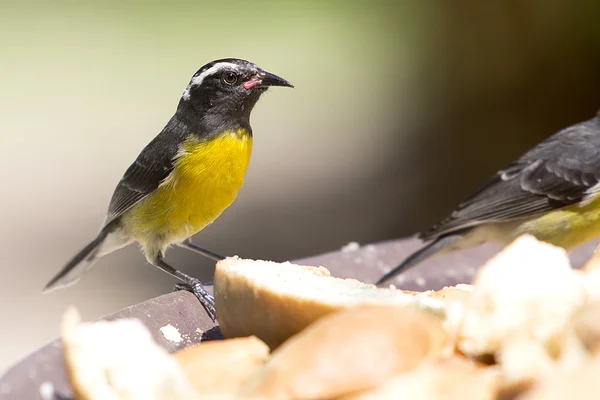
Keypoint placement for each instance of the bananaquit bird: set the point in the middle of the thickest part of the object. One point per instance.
(186, 176)
(551, 192)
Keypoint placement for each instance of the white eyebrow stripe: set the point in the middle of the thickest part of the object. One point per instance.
(197, 80)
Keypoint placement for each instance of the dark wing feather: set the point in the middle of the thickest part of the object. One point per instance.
(152, 166)
(562, 170)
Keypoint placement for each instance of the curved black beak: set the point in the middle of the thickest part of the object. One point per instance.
(266, 79)
(269, 79)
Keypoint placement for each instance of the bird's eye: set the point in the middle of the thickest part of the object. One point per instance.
(229, 78)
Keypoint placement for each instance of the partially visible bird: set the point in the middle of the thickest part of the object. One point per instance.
(186, 177)
(551, 192)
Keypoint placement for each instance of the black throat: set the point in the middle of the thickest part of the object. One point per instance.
(208, 116)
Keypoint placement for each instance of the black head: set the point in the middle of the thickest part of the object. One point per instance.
(224, 91)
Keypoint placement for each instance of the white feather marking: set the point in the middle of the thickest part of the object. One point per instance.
(590, 195)
(113, 241)
(197, 80)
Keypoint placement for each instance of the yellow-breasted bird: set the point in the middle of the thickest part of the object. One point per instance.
(552, 192)
(186, 176)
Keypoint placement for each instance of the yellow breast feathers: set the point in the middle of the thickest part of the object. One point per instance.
(205, 181)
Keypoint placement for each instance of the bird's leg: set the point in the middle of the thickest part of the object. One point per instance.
(190, 284)
(187, 243)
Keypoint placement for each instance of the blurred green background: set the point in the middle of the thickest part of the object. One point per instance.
(400, 109)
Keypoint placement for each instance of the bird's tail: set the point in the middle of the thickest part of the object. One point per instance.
(78, 265)
(420, 255)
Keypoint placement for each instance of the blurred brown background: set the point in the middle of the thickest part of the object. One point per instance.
(401, 108)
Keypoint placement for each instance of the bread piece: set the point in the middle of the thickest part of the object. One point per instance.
(348, 352)
(455, 299)
(274, 301)
(522, 361)
(450, 294)
(586, 325)
(218, 369)
(119, 360)
(528, 290)
(453, 379)
(581, 384)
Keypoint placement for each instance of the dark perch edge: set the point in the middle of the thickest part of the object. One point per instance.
(181, 309)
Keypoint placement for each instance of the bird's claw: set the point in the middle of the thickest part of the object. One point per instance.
(205, 298)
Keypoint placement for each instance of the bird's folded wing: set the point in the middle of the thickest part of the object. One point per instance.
(152, 166)
(562, 170)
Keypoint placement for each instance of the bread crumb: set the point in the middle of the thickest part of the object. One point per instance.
(47, 391)
(171, 333)
(464, 286)
(352, 246)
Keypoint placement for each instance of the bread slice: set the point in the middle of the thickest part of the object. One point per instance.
(119, 360)
(348, 352)
(219, 368)
(450, 379)
(274, 301)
